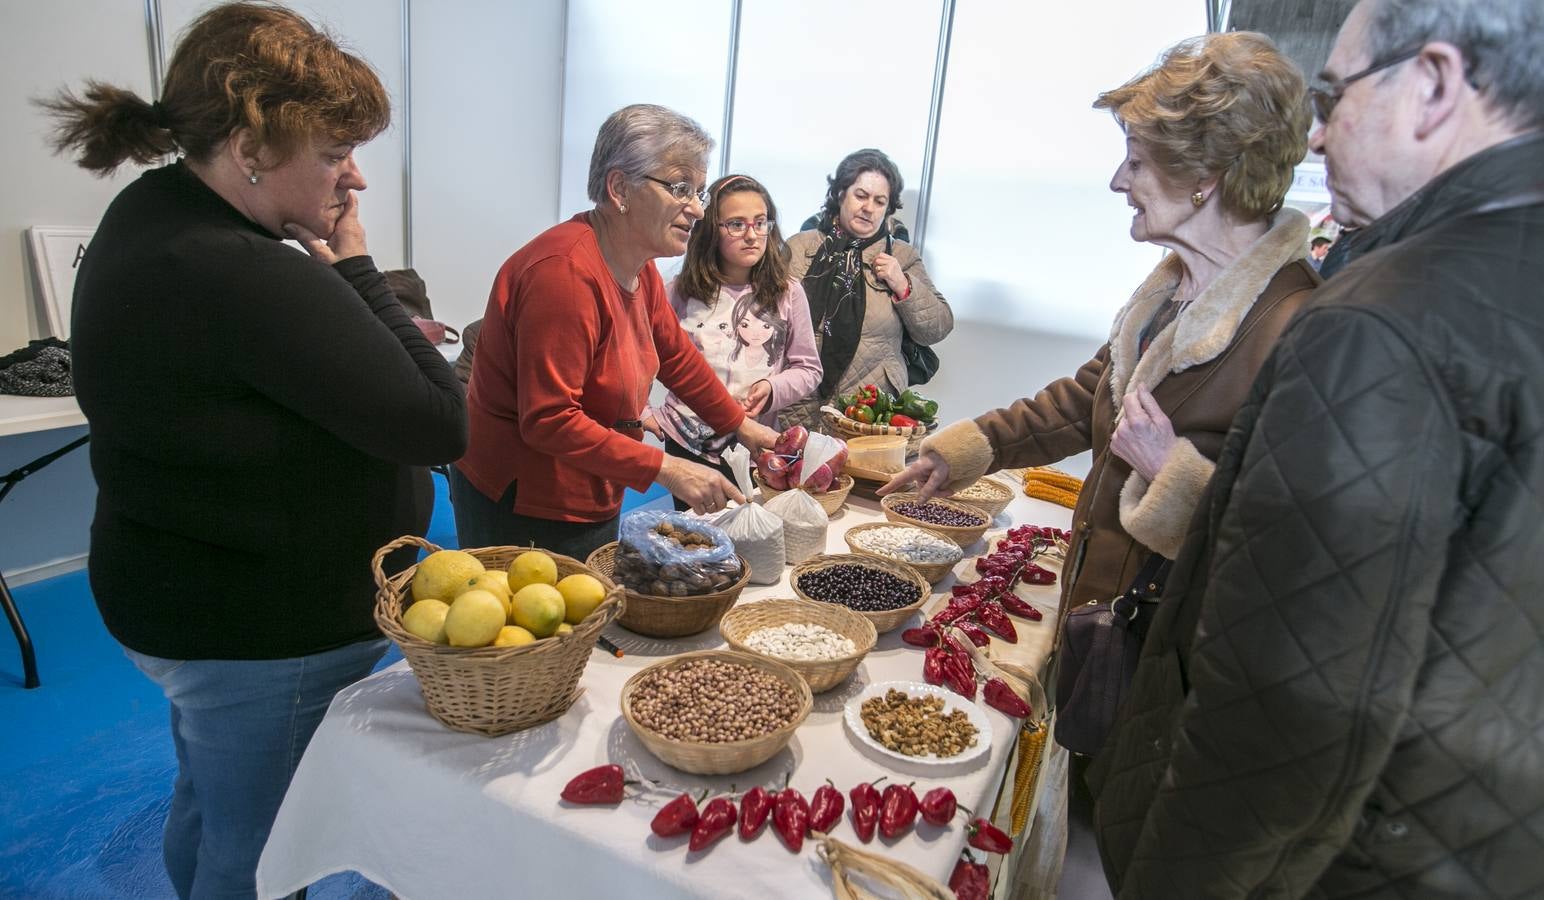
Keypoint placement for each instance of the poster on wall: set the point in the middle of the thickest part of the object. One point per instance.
(56, 255)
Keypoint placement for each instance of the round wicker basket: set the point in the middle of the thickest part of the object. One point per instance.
(822, 675)
(996, 497)
(844, 427)
(726, 758)
(669, 617)
(885, 621)
(962, 535)
(831, 501)
(492, 690)
(933, 572)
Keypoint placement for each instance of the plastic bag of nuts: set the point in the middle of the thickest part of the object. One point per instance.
(670, 554)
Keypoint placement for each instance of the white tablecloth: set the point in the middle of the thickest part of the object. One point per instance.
(427, 812)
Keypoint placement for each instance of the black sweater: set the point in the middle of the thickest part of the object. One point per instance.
(256, 417)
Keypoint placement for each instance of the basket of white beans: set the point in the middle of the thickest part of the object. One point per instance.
(933, 555)
(823, 642)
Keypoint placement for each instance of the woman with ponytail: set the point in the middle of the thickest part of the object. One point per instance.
(258, 415)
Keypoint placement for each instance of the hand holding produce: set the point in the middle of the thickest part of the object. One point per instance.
(783, 466)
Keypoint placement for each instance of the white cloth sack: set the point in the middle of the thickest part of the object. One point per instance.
(804, 524)
(757, 534)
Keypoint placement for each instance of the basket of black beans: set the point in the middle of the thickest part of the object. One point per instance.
(963, 524)
(884, 591)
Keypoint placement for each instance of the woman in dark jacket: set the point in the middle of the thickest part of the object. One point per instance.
(258, 415)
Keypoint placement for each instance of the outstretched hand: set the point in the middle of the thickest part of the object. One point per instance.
(930, 473)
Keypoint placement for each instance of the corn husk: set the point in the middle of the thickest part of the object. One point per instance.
(847, 861)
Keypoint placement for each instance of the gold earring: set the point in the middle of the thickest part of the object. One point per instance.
(1197, 199)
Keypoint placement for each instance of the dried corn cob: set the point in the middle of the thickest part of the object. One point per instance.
(1055, 478)
(1031, 747)
(1042, 491)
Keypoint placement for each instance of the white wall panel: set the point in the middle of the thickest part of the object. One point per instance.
(1023, 229)
(818, 80)
(486, 106)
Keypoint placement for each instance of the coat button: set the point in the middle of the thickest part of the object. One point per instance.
(1396, 829)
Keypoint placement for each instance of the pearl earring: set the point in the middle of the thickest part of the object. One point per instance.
(622, 208)
(1197, 199)
(252, 178)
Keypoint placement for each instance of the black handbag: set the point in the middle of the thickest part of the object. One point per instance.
(413, 294)
(1099, 650)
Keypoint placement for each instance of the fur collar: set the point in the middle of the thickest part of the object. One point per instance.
(1206, 327)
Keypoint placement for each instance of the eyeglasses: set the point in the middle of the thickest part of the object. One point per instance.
(682, 190)
(736, 227)
(1326, 99)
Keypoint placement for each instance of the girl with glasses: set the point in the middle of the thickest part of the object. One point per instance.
(739, 305)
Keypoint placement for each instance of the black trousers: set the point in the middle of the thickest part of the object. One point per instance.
(481, 522)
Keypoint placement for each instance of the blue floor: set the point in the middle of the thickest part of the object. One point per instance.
(86, 761)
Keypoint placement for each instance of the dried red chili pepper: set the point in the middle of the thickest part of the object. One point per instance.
(933, 664)
(993, 619)
(992, 585)
(898, 810)
(1002, 698)
(826, 807)
(791, 818)
(971, 880)
(926, 636)
(960, 676)
(755, 806)
(717, 820)
(865, 810)
(983, 835)
(938, 806)
(957, 608)
(679, 816)
(976, 633)
(1018, 606)
(1033, 574)
(965, 590)
(602, 784)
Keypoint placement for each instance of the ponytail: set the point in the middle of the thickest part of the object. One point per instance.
(107, 126)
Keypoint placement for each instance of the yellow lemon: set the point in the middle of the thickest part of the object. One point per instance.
(442, 575)
(532, 567)
(564, 629)
(513, 636)
(426, 619)
(474, 619)
(581, 594)
(494, 582)
(539, 609)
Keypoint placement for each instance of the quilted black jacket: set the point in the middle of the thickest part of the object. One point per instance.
(1342, 694)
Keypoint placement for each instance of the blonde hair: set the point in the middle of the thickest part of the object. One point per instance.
(1227, 105)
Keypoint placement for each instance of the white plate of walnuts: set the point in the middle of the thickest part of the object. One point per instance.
(918, 724)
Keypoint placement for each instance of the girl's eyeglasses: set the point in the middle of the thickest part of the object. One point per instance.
(736, 227)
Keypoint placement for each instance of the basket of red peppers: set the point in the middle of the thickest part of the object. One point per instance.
(871, 410)
(983, 609)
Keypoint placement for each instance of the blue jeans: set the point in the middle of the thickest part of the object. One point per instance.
(240, 727)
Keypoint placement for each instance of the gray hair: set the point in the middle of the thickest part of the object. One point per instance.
(1498, 38)
(640, 139)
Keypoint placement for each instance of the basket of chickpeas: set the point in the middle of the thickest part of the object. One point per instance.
(715, 712)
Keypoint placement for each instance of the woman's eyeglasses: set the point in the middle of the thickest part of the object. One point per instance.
(736, 227)
(1325, 99)
(682, 191)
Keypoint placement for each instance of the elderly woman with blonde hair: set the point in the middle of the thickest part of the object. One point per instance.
(1213, 132)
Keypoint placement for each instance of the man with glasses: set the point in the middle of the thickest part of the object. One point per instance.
(1342, 693)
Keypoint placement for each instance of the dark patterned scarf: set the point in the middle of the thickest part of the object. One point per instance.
(835, 287)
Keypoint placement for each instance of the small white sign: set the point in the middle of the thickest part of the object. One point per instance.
(56, 255)
(1310, 184)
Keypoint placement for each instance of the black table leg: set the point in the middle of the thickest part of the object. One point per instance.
(29, 660)
(10, 480)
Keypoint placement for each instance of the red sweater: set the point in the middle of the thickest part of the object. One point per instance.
(565, 354)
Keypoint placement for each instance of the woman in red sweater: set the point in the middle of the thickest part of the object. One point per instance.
(576, 331)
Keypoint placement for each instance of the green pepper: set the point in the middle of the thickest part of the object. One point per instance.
(929, 410)
(864, 414)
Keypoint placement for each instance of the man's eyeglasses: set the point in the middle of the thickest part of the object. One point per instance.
(1325, 99)
(682, 190)
(736, 227)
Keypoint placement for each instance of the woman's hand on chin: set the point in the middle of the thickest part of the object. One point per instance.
(347, 239)
(1145, 435)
